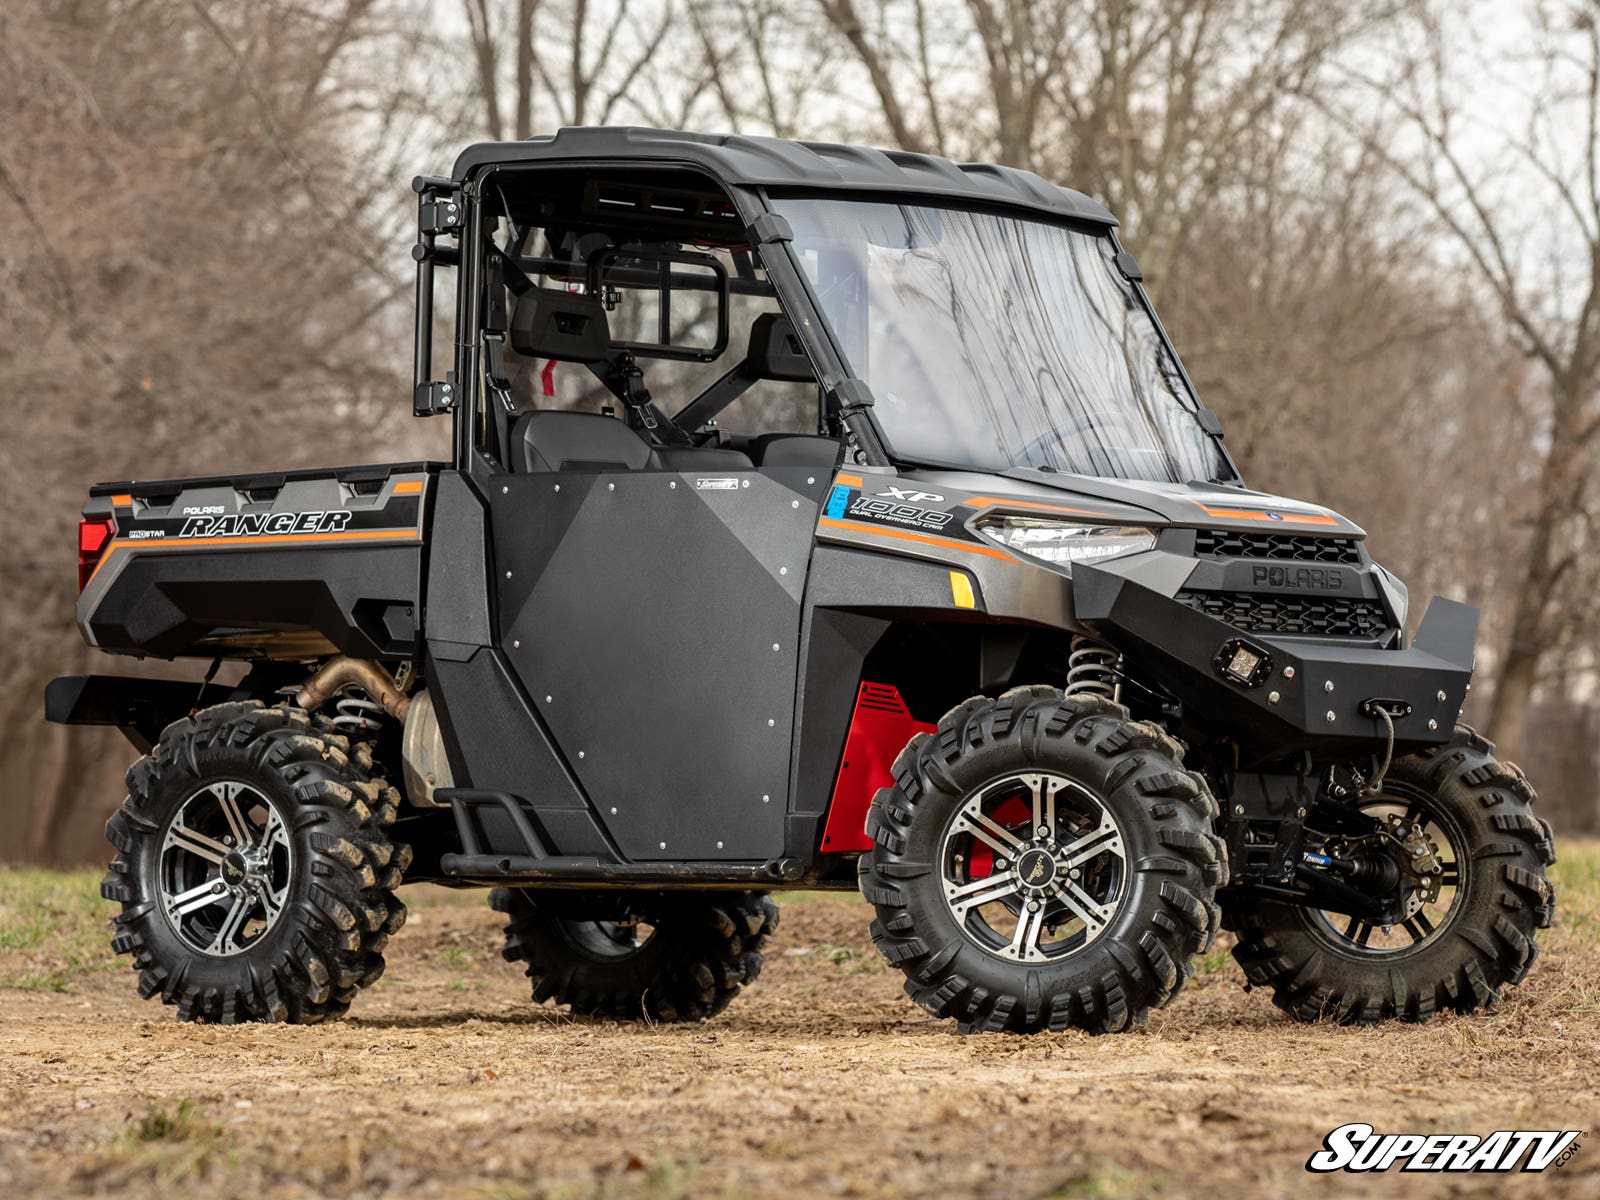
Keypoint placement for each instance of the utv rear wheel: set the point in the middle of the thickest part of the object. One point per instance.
(675, 956)
(253, 868)
(1042, 863)
(1471, 912)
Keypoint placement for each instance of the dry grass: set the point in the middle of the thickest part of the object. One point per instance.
(823, 1080)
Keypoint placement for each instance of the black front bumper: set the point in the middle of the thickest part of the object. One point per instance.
(1311, 693)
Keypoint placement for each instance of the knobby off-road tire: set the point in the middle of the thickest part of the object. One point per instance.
(581, 951)
(1484, 941)
(1157, 908)
(322, 903)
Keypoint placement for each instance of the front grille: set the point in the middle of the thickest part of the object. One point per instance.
(1304, 617)
(1227, 543)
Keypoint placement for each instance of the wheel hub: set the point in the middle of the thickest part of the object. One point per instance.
(1420, 850)
(235, 869)
(1036, 870)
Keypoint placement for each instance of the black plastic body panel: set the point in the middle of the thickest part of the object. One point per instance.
(458, 565)
(140, 708)
(743, 161)
(166, 606)
(836, 644)
(288, 566)
(496, 742)
(358, 473)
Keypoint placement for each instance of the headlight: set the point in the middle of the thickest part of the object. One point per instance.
(1058, 543)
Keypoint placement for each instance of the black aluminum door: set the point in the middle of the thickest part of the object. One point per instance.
(653, 617)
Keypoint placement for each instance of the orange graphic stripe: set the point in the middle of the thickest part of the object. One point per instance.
(848, 480)
(409, 487)
(1246, 514)
(202, 543)
(924, 538)
(993, 501)
(122, 499)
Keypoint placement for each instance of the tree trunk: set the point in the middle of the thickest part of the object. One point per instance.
(1508, 714)
(1530, 640)
(525, 9)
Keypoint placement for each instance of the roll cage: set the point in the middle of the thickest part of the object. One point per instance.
(670, 187)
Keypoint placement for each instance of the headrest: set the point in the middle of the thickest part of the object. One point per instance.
(775, 351)
(551, 323)
(576, 441)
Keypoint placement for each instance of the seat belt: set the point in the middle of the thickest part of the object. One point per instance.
(626, 382)
(495, 323)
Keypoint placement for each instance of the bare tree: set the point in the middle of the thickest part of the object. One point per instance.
(573, 62)
(1147, 104)
(207, 269)
(1531, 236)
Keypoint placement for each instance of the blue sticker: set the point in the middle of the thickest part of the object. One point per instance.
(837, 501)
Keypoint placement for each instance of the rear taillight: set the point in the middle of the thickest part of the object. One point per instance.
(94, 535)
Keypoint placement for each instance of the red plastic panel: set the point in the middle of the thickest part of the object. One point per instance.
(879, 730)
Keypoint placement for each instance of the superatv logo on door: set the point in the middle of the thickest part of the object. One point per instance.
(1359, 1147)
(263, 524)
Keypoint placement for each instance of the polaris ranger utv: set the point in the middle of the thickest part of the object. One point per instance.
(818, 517)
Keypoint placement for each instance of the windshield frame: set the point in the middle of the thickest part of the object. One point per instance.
(1186, 395)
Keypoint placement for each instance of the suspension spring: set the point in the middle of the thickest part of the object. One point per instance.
(1092, 669)
(357, 714)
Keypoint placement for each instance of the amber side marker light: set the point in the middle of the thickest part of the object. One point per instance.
(94, 535)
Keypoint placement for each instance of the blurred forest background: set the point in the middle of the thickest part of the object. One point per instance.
(1372, 227)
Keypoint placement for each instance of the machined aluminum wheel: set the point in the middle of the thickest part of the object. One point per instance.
(1034, 867)
(226, 862)
(254, 867)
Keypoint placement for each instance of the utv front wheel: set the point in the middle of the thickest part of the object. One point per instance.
(254, 870)
(1471, 911)
(674, 956)
(1042, 863)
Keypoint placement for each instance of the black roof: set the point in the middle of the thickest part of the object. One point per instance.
(743, 161)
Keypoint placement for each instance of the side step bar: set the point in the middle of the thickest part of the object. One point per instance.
(535, 864)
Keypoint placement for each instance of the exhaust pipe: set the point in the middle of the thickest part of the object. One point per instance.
(341, 670)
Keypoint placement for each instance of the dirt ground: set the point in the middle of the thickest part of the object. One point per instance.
(821, 1080)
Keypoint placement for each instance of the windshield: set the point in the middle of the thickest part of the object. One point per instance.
(994, 342)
